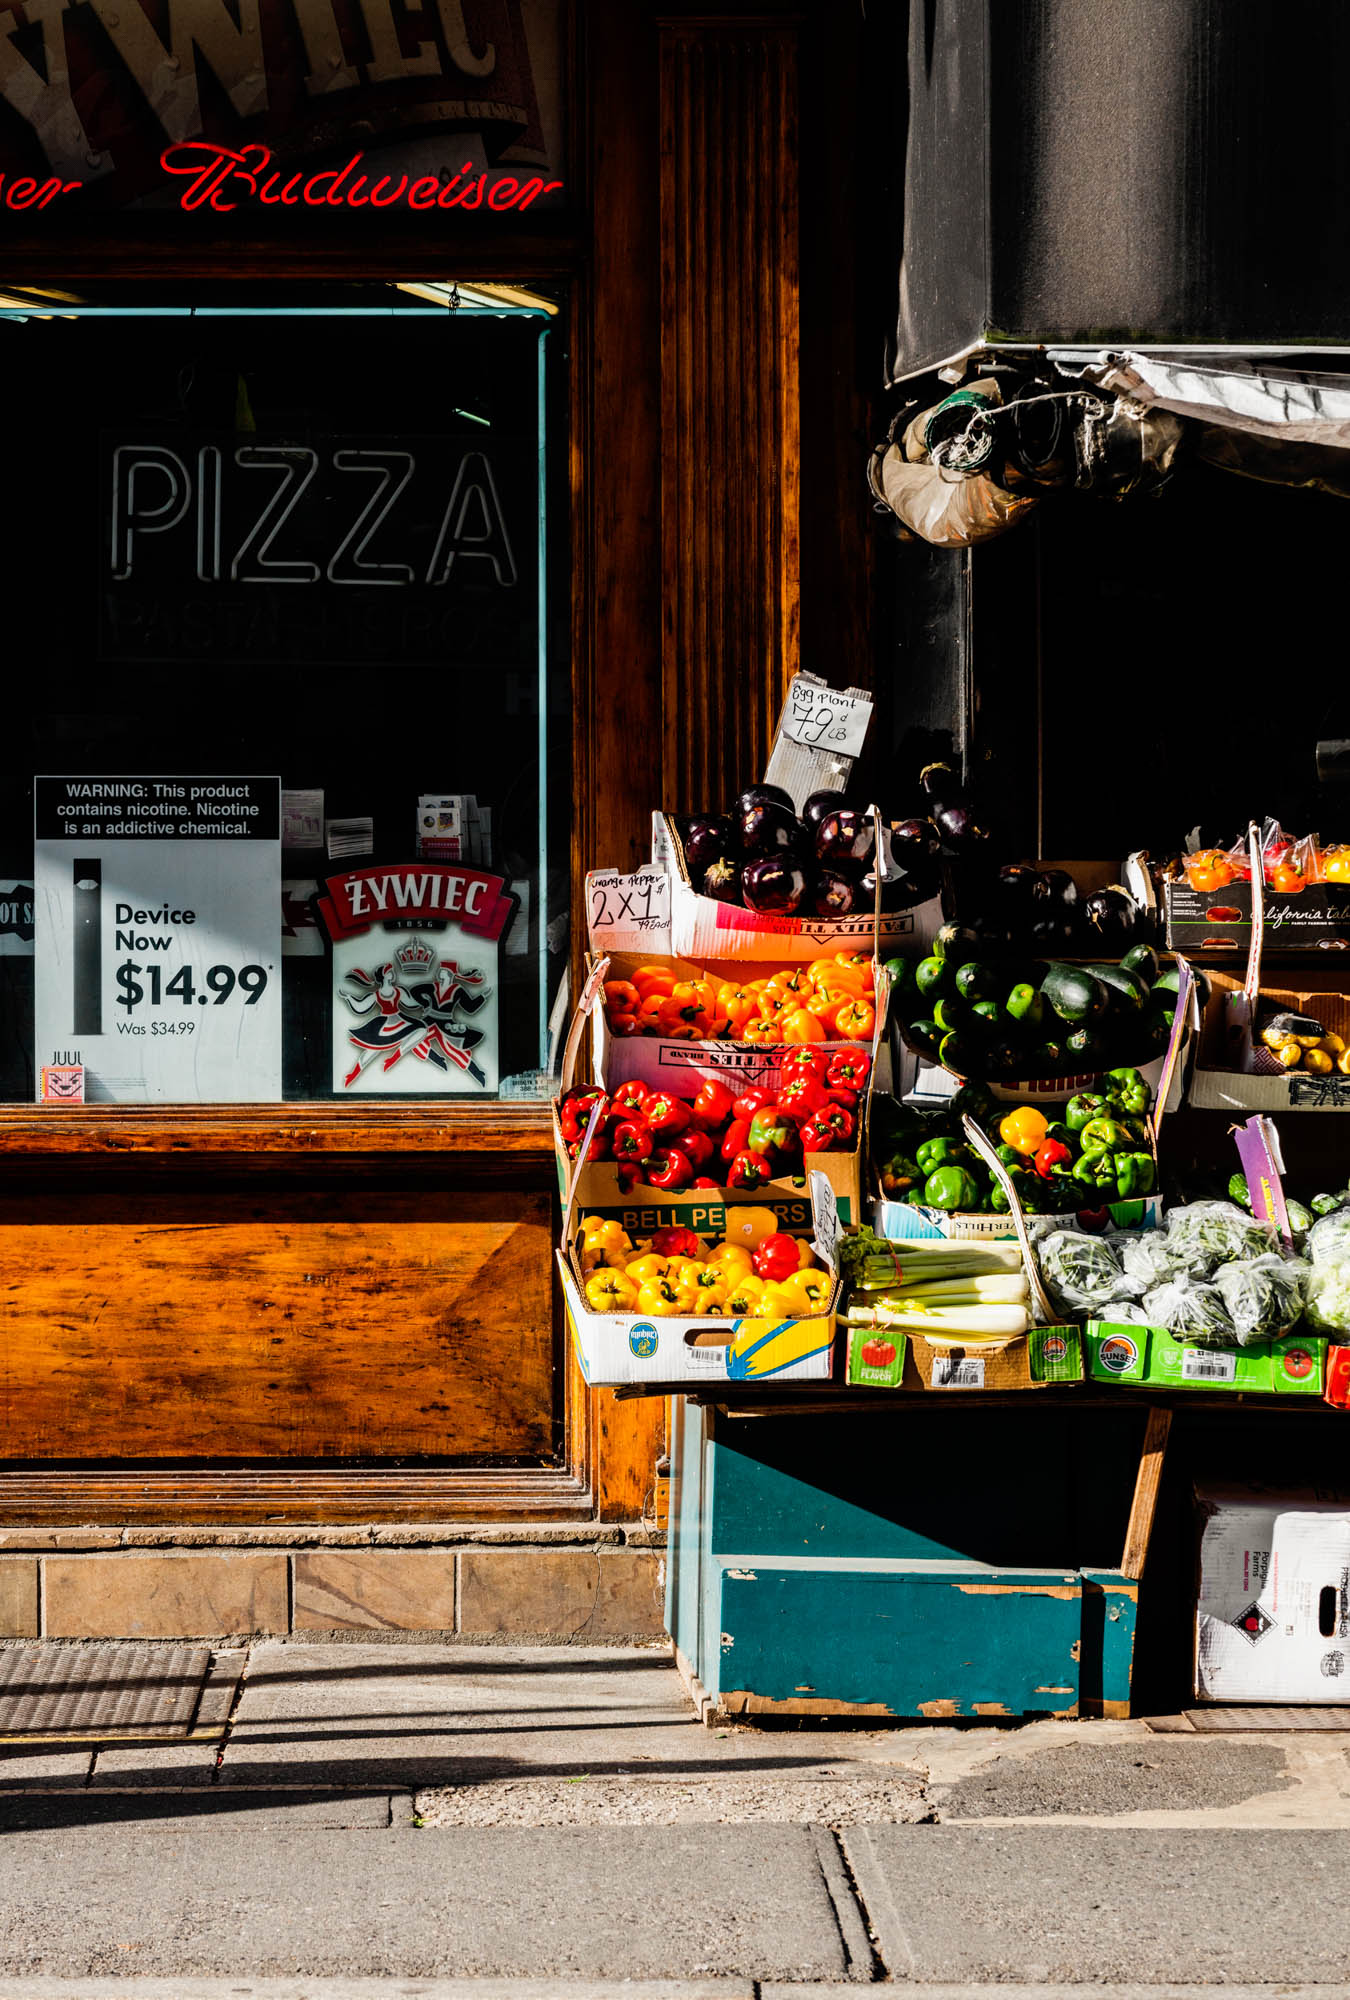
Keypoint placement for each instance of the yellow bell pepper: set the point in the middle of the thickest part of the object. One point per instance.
(609, 1291)
(604, 1231)
(743, 1296)
(665, 1300)
(730, 1257)
(1024, 1129)
(710, 1286)
(648, 1270)
(804, 1293)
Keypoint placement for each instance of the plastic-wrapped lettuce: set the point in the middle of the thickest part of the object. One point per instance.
(1205, 1234)
(1082, 1272)
(1147, 1257)
(1329, 1238)
(1264, 1295)
(1326, 1304)
(1192, 1313)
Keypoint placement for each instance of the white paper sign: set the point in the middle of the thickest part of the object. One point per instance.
(822, 718)
(629, 912)
(157, 937)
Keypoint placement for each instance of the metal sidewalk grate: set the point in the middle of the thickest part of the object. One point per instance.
(114, 1693)
(1214, 1721)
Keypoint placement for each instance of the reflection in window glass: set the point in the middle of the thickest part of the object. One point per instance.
(279, 646)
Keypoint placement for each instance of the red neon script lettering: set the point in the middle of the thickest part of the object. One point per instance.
(222, 177)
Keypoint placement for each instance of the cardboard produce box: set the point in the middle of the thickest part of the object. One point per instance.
(1314, 919)
(1147, 1357)
(701, 926)
(889, 1358)
(615, 1349)
(1272, 1618)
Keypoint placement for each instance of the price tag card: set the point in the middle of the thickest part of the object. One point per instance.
(157, 937)
(629, 912)
(822, 718)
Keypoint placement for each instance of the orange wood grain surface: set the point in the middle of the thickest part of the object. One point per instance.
(297, 1325)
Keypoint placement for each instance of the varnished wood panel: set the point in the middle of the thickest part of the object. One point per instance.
(730, 420)
(292, 1326)
(520, 1132)
(244, 1500)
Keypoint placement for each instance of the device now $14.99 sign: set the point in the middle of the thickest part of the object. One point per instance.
(157, 936)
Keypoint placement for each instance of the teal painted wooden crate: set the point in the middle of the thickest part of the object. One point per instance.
(811, 1570)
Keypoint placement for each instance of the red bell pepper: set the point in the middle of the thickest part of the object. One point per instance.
(704, 1181)
(848, 1099)
(667, 1115)
(840, 1122)
(574, 1113)
(631, 1096)
(633, 1140)
(804, 1059)
(751, 1101)
(802, 1094)
(748, 1171)
(669, 1168)
(1053, 1154)
(734, 1138)
(676, 1241)
(848, 1069)
(775, 1258)
(714, 1101)
(697, 1147)
(629, 1173)
(817, 1135)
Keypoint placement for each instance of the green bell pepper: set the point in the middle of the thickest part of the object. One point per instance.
(936, 1153)
(900, 1175)
(1098, 1172)
(1127, 1088)
(1104, 1135)
(1135, 1175)
(951, 1188)
(1081, 1110)
(1009, 1156)
(1239, 1192)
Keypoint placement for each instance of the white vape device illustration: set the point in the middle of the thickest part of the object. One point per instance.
(88, 947)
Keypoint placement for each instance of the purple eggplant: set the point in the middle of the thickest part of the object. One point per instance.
(845, 839)
(707, 839)
(820, 803)
(1017, 883)
(766, 828)
(773, 884)
(722, 881)
(959, 826)
(1054, 890)
(917, 836)
(835, 894)
(763, 795)
(940, 785)
(1110, 918)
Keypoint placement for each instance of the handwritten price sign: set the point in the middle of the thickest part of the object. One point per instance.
(629, 912)
(821, 718)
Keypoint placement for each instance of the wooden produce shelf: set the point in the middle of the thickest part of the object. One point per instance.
(522, 1132)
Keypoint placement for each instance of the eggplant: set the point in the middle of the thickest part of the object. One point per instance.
(1110, 917)
(763, 795)
(768, 828)
(918, 836)
(1055, 889)
(1017, 883)
(722, 881)
(773, 884)
(845, 838)
(834, 894)
(1052, 931)
(959, 826)
(820, 803)
(940, 783)
(708, 838)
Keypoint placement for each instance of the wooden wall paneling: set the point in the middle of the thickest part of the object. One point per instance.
(356, 1324)
(730, 457)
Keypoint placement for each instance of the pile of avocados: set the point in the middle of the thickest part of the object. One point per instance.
(1001, 1017)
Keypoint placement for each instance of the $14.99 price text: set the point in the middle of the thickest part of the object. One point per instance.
(220, 982)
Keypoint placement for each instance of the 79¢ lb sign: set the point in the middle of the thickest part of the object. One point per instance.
(157, 937)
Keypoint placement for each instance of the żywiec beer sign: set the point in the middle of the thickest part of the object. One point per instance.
(227, 104)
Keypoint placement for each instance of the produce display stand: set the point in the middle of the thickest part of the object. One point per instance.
(934, 1569)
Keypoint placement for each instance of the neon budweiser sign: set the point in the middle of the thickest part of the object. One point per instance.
(215, 101)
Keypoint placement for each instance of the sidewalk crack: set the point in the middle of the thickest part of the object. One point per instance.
(228, 1730)
(863, 1962)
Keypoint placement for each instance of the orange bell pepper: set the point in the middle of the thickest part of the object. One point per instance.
(762, 1029)
(677, 1015)
(649, 1013)
(737, 1003)
(856, 1022)
(793, 984)
(772, 1005)
(653, 979)
(1208, 869)
(825, 1007)
(801, 1025)
(621, 997)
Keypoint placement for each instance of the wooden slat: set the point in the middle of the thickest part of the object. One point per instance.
(271, 1496)
(1145, 1502)
(730, 416)
(352, 1324)
(110, 1131)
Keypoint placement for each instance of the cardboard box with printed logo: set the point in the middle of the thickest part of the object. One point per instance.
(1272, 1621)
(1147, 1357)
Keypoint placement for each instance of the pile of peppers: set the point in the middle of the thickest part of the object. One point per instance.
(722, 1137)
(829, 1000)
(1097, 1151)
(673, 1274)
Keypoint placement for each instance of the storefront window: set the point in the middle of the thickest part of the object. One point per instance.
(284, 812)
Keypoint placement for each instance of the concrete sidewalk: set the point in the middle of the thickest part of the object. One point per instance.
(409, 1814)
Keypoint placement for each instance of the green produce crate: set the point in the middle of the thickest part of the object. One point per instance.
(1147, 1357)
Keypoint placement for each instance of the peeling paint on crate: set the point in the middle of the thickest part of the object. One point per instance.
(727, 1642)
(1076, 1650)
(992, 1707)
(934, 1709)
(743, 1701)
(744, 1575)
(1055, 1690)
(1069, 1590)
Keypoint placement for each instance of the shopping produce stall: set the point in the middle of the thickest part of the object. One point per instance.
(864, 1142)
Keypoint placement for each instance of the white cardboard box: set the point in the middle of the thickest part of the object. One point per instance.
(1273, 1614)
